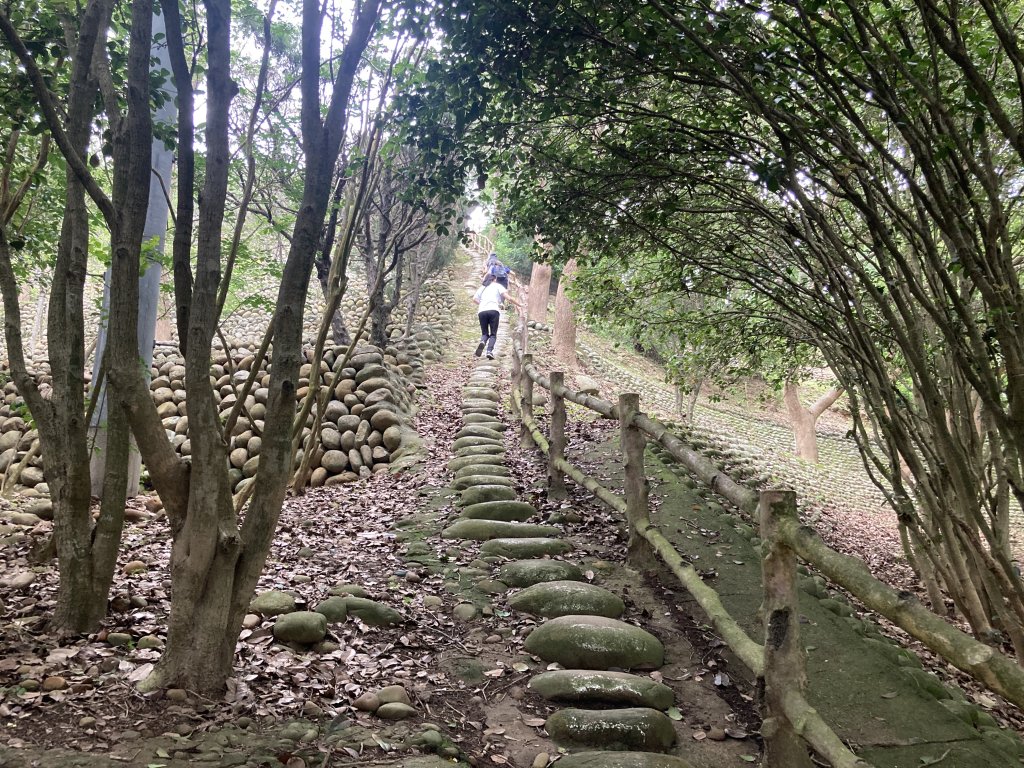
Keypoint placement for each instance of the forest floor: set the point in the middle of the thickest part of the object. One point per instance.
(457, 650)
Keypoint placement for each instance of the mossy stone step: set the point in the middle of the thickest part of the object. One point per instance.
(526, 573)
(480, 393)
(273, 602)
(484, 421)
(335, 609)
(475, 442)
(597, 686)
(462, 483)
(305, 627)
(489, 470)
(567, 598)
(639, 728)
(482, 530)
(490, 411)
(373, 613)
(481, 493)
(478, 430)
(430, 761)
(480, 404)
(621, 760)
(595, 642)
(475, 459)
(509, 511)
(481, 450)
(520, 548)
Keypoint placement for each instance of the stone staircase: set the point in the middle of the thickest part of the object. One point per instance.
(613, 718)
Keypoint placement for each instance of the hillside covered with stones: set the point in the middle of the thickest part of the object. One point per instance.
(363, 428)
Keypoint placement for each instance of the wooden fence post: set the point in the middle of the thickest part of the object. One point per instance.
(633, 444)
(784, 668)
(556, 438)
(526, 406)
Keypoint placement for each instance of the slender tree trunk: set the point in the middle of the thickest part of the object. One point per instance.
(378, 317)
(564, 335)
(691, 403)
(339, 330)
(412, 301)
(803, 420)
(540, 288)
(37, 323)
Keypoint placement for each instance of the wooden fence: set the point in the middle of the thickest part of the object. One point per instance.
(789, 720)
(481, 243)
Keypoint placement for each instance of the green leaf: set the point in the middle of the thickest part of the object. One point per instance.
(674, 713)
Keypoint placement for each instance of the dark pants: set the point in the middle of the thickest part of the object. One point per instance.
(489, 327)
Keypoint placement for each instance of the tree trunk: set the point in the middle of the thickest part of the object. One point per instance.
(412, 301)
(217, 556)
(540, 288)
(378, 316)
(339, 331)
(691, 403)
(564, 334)
(803, 420)
(37, 323)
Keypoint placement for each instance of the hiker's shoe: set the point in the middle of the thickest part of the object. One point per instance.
(479, 349)
(490, 355)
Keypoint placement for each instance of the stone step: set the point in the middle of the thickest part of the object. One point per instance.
(526, 573)
(587, 686)
(621, 760)
(474, 442)
(567, 598)
(429, 761)
(488, 470)
(462, 483)
(520, 548)
(595, 642)
(481, 449)
(478, 494)
(482, 530)
(484, 421)
(480, 404)
(509, 511)
(480, 393)
(480, 408)
(371, 612)
(639, 728)
(478, 430)
(475, 459)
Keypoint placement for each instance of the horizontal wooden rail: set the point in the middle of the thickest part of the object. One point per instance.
(703, 468)
(717, 480)
(595, 404)
(985, 664)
